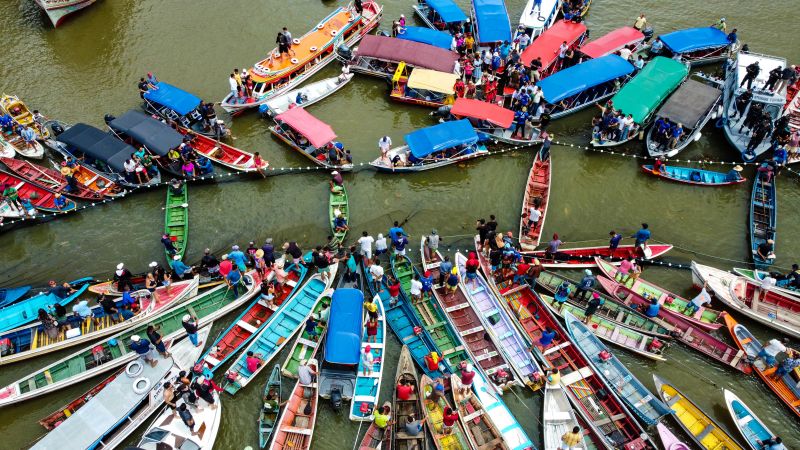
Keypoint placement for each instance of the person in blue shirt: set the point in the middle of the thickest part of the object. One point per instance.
(427, 282)
(586, 285)
(613, 243)
(656, 48)
(204, 164)
(28, 135)
(496, 61)
(301, 98)
(562, 294)
(60, 202)
(238, 258)
(781, 155)
(400, 245)
(27, 206)
(340, 223)
(180, 268)
(643, 235)
(6, 123)
(734, 174)
(396, 231)
(505, 50)
(653, 308)
(773, 443)
(520, 118)
(547, 337)
(444, 268)
(142, 348)
(732, 37)
(233, 279)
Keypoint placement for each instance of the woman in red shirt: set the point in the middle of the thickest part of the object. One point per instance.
(372, 329)
(404, 390)
(448, 420)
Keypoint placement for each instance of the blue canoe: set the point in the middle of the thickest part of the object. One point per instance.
(647, 407)
(491, 21)
(173, 98)
(752, 428)
(19, 314)
(763, 217)
(280, 328)
(691, 175)
(11, 295)
(368, 386)
(694, 39)
(403, 321)
(427, 36)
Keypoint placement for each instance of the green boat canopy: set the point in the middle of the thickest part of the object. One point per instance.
(649, 88)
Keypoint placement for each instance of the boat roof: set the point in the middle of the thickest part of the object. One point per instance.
(431, 80)
(316, 131)
(157, 136)
(578, 78)
(690, 103)
(427, 36)
(440, 137)
(97, 144)
(477, 109)
(415, 54)
(343, 340)
(547, 44)
(612, 42)
(693, 39)
(173, 98)
(492, 21)
(447, 10)
(649, 87)
(106, 409)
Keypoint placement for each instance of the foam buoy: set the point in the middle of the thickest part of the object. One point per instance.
(294, 60)
(313, 49)
(134, 369)
(334, 32)
(698, 136)
(141, 385)
(296, 41)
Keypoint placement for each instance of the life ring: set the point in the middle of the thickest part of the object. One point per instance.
(334, 32)
(294, 60)
(296, 41)
(320, 26)
(351, 18)
(313, 49)
(134, 369)
(141, 385)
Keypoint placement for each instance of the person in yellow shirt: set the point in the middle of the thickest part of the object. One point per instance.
(372, 308)
(469, 42)
(382, 416)
(572, 440)
(640, 22)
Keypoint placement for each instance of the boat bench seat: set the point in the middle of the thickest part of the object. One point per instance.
(792, 384)
(706, 431)
(296, 430)
(294, 316)
(560, 416)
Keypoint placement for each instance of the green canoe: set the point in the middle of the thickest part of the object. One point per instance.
(176, 219)
(267, 418)
(338, 201)
(304, 346)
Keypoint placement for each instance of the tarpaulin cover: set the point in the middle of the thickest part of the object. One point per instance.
(97, 144)
(157, 136)
(343, 341)
(648, 89)
(690, 103)
(431, 80)
(546, 46)
(316, 131)
(447, 10)
(612, 42)
(440, 137)
(492, 21)
(415, 54)
(427, 36)
(693, 39)
(588, 74)
(477, 109)
(173, 98)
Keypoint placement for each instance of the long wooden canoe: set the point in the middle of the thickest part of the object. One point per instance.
(221, 153)
(338, 203)
(434, 410)
(684, 175)
(558, 417)
(304, 345)
(268, 419)
(377, 437)
(176, 219)
(480, 430)
(537, 190)
(402, 409)
(295, 429)
(18, 314)
(95, 181)
(763, 217)
(584, 257)
(41, 199)
(50, 179)
(368, 386)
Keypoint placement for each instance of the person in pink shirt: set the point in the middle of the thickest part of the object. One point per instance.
(624, 270)
(252, 362)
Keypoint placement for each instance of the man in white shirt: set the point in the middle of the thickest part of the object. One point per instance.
(534, 216)
(625, 126)
(536, 98)
(770, 351)
(130, 169)
(385, 144)
(625, 53)
(416, 288)
(234, 89)
(376, 271)
(698, 302)
(365, 241)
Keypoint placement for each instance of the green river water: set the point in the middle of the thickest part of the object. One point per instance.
(90, 66)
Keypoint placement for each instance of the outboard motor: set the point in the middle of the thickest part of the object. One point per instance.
(443, 112)
(336, 398)
(383, 33)
(56, 129)
(648, 33)
(344, 52)
(108, 118)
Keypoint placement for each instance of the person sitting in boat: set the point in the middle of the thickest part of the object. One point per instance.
(204, 166)
(176, 186)
(656, 47)
(773, 443)
(766, 250)
(659, 166)
(182, 271)
(301, 98)
(781, 155)
(433, 361)
(695, 176)
(60, 202)
(787, 365)
(340, 223)
(770, 352)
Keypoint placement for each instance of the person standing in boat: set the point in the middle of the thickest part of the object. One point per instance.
(769, 352)
(752, 72)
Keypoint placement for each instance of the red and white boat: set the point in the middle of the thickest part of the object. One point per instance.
(221, 153)
(584, 257)
(536, 191)
(50, 179)
(57, 10)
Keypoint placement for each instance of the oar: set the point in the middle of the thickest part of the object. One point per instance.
(182, 205)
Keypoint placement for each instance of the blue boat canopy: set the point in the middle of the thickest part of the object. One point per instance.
(441, 137)
(158, 137)
(447, 10)
(173, 98)
(343, 341)
(427, 36)
(693, 39)
(492, 21)
(586, 75)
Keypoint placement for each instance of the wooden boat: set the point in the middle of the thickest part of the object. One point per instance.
(640, 291)
(612, 309)
(432, 147)
(558, 417)
(538, 22)
(30, 341)
(613, 42)
(34, 151)
(50, 179)
(669, 440)
(785, 388)
(401, 409)
(483, 347)
(123, 404)
(90, 178)
(251, 321)
(635, 395)
(763, 217)
(19, 111)
(57, 417)
(310, 137)
(110, 287)
(691, 175)
(376, 437)
(692, 105)
(434, 410)
(606, 415)
(6, 149)
(639, 99)
(12, 295)
(448, 343)
(439, 14)
(759, 275)
(304, 345)
(58, 10)
(547, 45)
(612, 332)
(114, 351)
(537, 195)
(696, 46)
(268, 419)
(176, 220)
(338, 204)
(688, 333)
(379, 56)
(176, 106)
(296, 426)
(157, 138)
(491, 23)
(406, 325)
(368, 387)
(749, 425)
(310, 94)
(41, 199)
(497, 323)
(422, 86)
(18, 314)
(221, 153)
(313, 51)
(492, 120)
(283, 325)
(703, 430)
(479, 428)
(584, 257)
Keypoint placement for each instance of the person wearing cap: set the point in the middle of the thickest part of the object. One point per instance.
(336, 182)
(143, 349)
(238, 258)
(432, 244)
(189, 324)
(452, 282)
(259, 264)
(180, 268)
(209, 262)
(438, 391)
(367, 360)
(467, 376)
(721, 25)
(587, 283)
(339, 222)
(205, 388)
(594, 303)
(122, 278)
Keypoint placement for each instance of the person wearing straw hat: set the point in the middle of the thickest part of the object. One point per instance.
(735, 174)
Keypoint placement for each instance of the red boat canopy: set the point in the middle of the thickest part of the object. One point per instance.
(316, 131)
(612, 42)
(414, 54)
(547, 44)
(476, 109)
